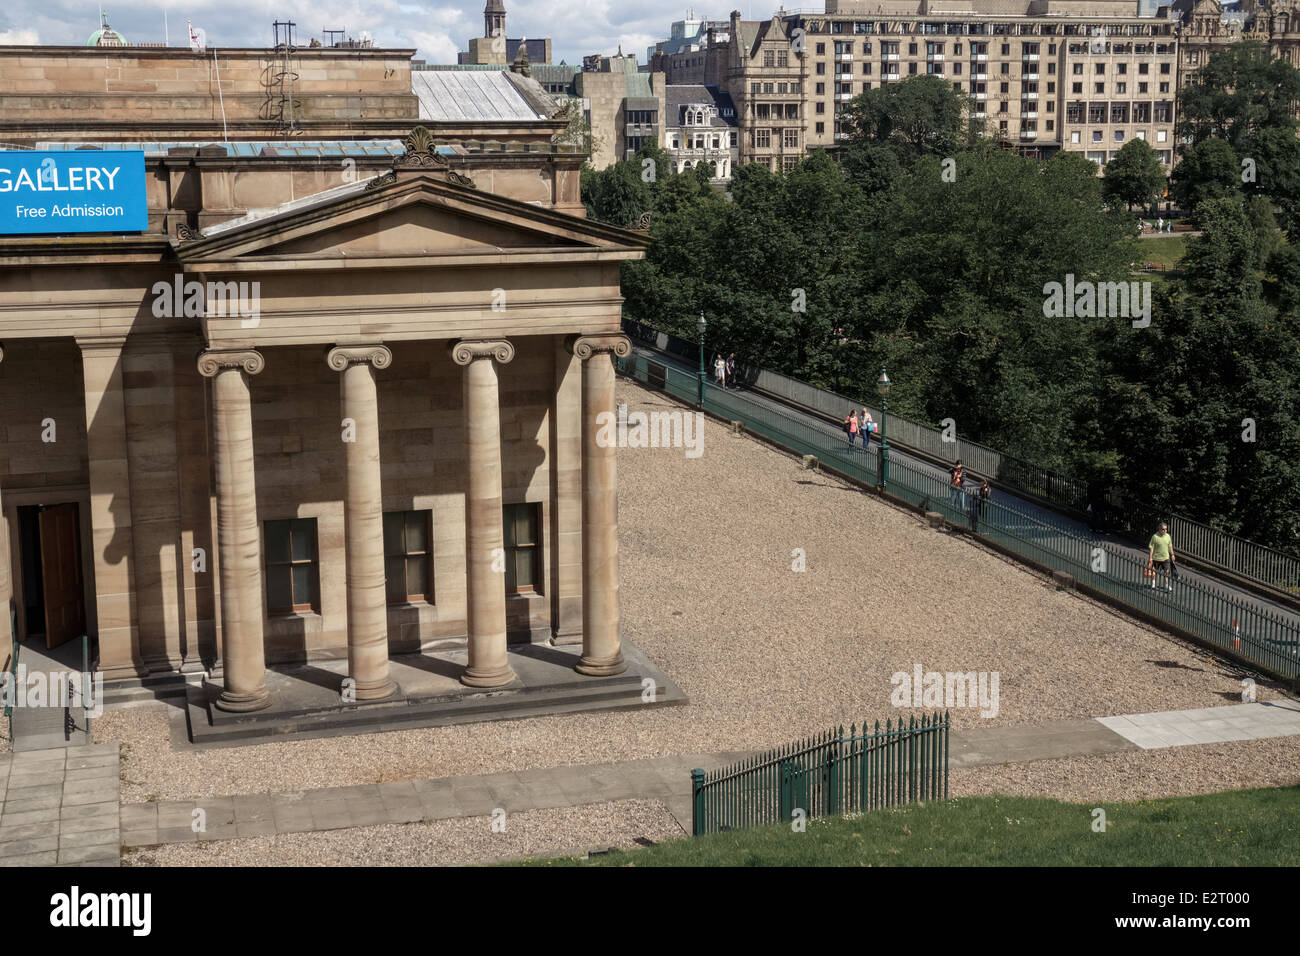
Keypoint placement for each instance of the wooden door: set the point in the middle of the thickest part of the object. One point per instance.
(65, 604)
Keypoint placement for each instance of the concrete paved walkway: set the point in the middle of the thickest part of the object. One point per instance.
(666, 779)
(61, 807)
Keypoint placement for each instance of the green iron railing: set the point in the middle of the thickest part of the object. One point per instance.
(1254, 634)
(830, 774)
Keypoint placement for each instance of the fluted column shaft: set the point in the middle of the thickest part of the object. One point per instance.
(238, 534)
(484, 537)
(364, 521)
(602, 652)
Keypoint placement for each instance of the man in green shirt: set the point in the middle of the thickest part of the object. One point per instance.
(1161, 551)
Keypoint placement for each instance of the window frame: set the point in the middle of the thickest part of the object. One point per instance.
(312, 563)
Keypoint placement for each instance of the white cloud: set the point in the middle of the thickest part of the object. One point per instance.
(19, 38)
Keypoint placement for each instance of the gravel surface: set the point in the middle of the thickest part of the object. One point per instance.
(1143, 775)
(765, 653)
(625, 824)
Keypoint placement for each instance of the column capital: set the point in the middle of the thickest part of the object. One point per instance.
(584, 346)
(465, 351)
(341, 356)
(212, 362)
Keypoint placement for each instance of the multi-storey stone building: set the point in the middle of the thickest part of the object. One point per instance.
(700, 126)
(1080, 75)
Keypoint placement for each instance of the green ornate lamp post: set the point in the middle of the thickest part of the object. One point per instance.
(882, 386)
(701, 325)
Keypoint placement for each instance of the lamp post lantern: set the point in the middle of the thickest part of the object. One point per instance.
(882, 386)
(701, 325)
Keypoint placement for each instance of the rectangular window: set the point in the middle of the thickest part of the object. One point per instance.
(821, 108)
(523, 556)
(821, 127)
(292, 571)
(1077, 69)
(1164, 88)
(911, 69)
(783, 58)
(763, 138)
(1143, 69)
(821, 89)
(407, 552)
(769, 58)
(821, 71)
(821, 49)
(790, 138)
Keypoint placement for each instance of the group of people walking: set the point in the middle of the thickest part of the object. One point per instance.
(724, 370)
(855, 426)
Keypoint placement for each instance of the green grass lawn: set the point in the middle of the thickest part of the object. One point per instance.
(1162, 250)
(1236, 828)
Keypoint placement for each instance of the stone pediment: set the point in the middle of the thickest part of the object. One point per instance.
(421, 209)
(407, 213)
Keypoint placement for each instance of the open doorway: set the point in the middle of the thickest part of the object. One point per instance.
(53, 588)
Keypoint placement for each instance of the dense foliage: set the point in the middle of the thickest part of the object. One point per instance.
(931, 250)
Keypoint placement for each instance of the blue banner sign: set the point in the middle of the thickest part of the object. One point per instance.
(83, 190)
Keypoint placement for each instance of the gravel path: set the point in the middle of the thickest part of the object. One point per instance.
(766, 654)
(1144, 775)
(625, 824)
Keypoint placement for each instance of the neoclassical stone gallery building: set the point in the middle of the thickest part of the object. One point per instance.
(335, 403)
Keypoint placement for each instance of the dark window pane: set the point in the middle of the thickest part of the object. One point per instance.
(395, 578)
(302, 584)
(417, 531)
(393, 532)
(508, 524)
(416, 577)
(278, 596)
(527, 533)
(524, 568)
(277, 541)
(304, 539)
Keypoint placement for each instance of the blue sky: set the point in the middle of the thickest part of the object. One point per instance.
(436, 29)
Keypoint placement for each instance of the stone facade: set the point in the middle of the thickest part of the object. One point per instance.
(429, 339)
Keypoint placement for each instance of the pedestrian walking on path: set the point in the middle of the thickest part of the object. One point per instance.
(958, 475)
(851, 425)
(731, 368)
(984, 494)
(868, 428)
(720, 370)
(1161, 551)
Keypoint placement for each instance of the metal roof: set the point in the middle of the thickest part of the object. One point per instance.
(258, 148)
(469, 95)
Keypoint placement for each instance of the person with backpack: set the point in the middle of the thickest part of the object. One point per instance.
(1160, 550)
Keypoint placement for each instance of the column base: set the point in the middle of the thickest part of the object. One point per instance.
(375, 690)
(605, 667)
(484, 678)
(242, 703)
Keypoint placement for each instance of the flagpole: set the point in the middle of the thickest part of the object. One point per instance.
(166, 32)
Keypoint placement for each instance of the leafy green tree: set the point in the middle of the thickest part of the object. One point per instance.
(1242, 90)
(1221, 264)
(1135, 176)
(921, 115)
(1208, 170)
(952, 278)
(1272, 158)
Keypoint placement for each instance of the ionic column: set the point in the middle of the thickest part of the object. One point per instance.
(363, 520)
(484, 537)
(239, 546)
(602, 653)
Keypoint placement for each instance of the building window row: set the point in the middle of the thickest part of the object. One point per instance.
(292, 558)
